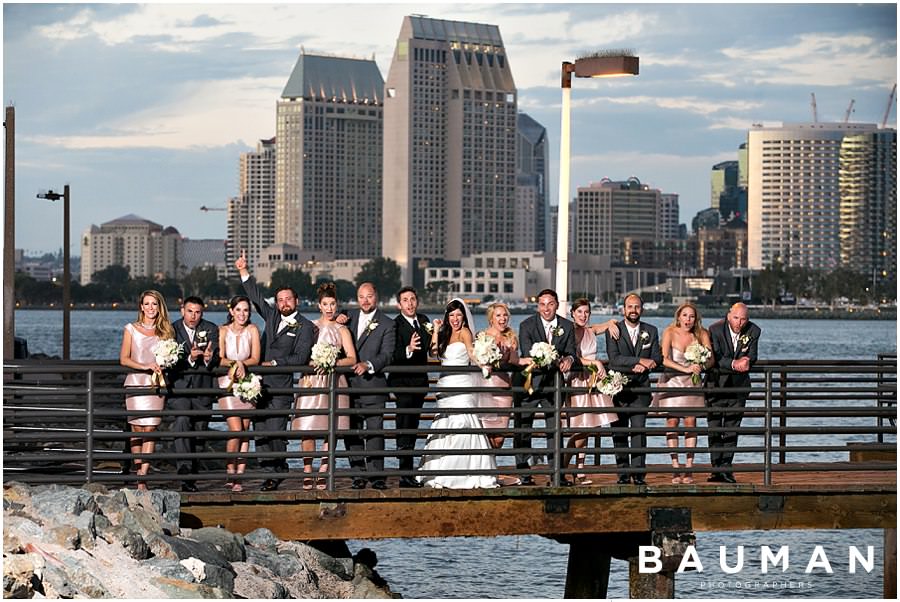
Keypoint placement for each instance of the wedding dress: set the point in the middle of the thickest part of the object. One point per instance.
(456, 355)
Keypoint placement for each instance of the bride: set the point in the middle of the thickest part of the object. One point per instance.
(451, 341)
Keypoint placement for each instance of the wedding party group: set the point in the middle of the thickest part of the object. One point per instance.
(474, 408)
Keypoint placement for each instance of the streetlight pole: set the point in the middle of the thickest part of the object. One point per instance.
(67, 276)
(604, 64)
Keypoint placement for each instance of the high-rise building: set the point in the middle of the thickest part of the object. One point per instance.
(532, 186)
(607, 212)
(145, 247)
(329, 157)
(868, 209)
(251, 214)
(668, 227)
(794, 195)
(450, 127)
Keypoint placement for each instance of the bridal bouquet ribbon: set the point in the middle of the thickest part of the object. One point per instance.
(486, 352)
(324, 356)
(166, 352)
(542, 355)
(612, 383)
(699, 355)
(248, 388)
(594, 377)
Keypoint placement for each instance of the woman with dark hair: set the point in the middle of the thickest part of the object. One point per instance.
(138, 341)
(452, 342)
(338, 336)
(239, 345)
(677, 337)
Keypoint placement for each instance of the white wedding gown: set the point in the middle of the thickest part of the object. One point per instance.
(456, 355)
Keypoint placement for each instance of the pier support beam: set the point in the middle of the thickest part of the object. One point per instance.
(890, 564)
(649, 585)
(587, 575)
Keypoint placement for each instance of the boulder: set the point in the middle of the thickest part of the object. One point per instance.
(133, 544)
(175, 588)
(210, 574)
(254, 582)
(166, 567)
(229, 544)
(19, 575)
(178, 548)
(58, 500)
(262, 538)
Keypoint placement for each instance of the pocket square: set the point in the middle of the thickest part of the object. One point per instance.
(291, 334)
(647, 346)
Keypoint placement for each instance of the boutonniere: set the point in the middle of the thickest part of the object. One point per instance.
(429, 327)
(557, 332)
(372, 326)
(291, 322)
(744, 340)
(645, 336)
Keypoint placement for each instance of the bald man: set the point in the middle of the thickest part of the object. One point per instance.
(735, 340)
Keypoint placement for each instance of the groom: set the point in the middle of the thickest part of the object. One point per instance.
(735, 340)
(545, 326)
(636, 352)
(289, 338)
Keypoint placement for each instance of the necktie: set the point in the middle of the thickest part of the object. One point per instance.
(416, 324)
(734, 340)
(634, 337)
(549, 333)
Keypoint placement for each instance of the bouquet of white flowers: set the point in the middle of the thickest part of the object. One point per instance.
(167, 352)
(324, 356)
(612, 383)
(542, 355)
(699, 355)
(248, 388)
(486, 352)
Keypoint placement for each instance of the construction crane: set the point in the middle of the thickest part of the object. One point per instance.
(887, 112)
(813, 103)
(207, 209)
(849, 110)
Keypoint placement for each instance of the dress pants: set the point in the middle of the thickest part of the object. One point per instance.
(186, 446)
(408, 421)
(273, 423)
(371, 422)
(526, 420)
(634, 422)
(725, 438)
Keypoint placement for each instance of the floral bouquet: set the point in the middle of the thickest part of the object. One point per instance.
(612, 383)
(324, 356)
(542, 355)
(167, 352)
(248, 388)
(699, 355)
(486, 352)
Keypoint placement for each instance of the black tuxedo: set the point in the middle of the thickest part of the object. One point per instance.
(623, 356)
(722, 375)
(402, 335)
(184, 446)
(291, 346)
(376, 346)
(531, 331)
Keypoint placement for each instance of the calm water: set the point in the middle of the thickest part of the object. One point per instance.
(535, 567)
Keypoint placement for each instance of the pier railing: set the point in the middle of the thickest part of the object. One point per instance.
(66, 422)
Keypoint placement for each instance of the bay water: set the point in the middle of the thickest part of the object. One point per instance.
(534, 566)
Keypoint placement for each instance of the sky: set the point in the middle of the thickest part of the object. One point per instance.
(145, 108)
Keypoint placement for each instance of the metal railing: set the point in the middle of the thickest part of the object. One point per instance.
(65, 422)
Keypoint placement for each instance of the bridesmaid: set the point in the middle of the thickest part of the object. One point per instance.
(239, 347)
(586, 343)
(338, 335)
(152, 325)
(505, 338)
(677, 337)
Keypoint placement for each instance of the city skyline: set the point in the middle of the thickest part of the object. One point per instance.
(145, 109)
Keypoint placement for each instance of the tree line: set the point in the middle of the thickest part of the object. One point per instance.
(114, 284)
(826, 286)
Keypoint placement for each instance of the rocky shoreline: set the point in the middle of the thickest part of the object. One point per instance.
(94, 542)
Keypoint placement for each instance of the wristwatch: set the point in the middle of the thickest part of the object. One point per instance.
(273, 362)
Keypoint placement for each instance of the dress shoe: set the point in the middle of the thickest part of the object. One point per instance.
(359, 483)
(379, 484)
(409, 483)
(189, 487)
(526, 480)
(638, 480)
(270, 485)
(566, 483)
(623, 479)
(184, 470)
(728, 477)
(716, 478)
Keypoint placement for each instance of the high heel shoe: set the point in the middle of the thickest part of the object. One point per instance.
(686, 478)
(580, 477)
(676, 477)
(322, 480)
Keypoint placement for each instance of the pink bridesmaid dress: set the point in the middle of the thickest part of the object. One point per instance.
(142, 352)
(500, 399)
(587, 349)
(329, 332)
(237, 347)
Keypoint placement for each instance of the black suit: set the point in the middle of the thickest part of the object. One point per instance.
(531, 331)
(403, 333)
(291, 346)
(184, 446)
(376, 346)
(623, 356)
(723, 376)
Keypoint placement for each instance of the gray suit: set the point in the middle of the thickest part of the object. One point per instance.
(376, 346)
(290, 347)
(623, 356)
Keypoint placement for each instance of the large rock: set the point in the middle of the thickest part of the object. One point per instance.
(255, 582)
(175, 588)
(133, 544)
(262, 538)
(166, 567)
(19, 578)
(229, 544)
(57, 500)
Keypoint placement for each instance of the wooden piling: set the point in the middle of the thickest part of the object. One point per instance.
(890, 564)
(587, 574)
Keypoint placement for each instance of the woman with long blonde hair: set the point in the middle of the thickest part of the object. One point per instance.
(508, 343)
(140, 337)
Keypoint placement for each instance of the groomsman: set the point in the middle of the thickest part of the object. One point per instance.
(199, 341)
(374, 335)
(735, 340)
(544, 326)
(288, 341)
(635, 353)
(411, 349)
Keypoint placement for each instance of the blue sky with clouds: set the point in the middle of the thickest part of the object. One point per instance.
(145, 108)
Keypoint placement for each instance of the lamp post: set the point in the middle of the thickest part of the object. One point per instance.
(604, 64)
(67, 291)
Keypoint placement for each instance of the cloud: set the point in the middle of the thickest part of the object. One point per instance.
(201, 115)
(690, 104)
